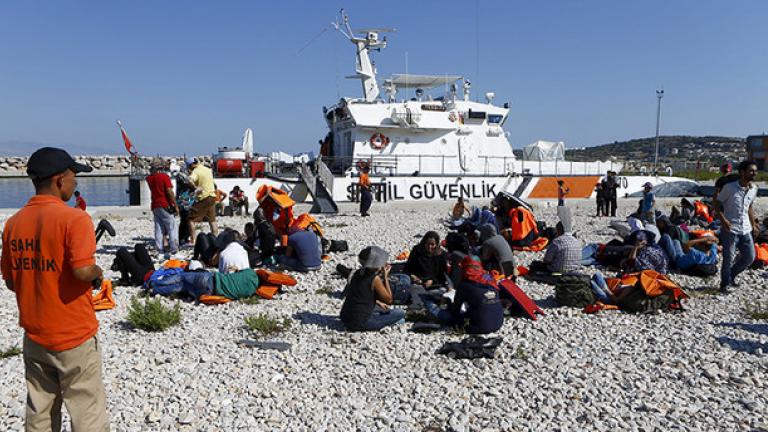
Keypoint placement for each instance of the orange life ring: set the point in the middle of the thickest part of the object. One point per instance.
(379, 141)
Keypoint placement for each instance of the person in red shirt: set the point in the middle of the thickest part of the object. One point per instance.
(238, 200)
(79, 201)
(163, 207)
(52, 270)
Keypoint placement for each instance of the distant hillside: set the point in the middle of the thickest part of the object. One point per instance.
(680, 147)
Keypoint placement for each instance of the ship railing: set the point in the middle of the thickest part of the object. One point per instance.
(442, 165)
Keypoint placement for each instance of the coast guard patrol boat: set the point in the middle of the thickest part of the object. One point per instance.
(423, 138)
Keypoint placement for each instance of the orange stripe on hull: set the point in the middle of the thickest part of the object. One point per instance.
(581, 187)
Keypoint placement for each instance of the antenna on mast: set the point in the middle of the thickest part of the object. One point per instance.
(365, 70)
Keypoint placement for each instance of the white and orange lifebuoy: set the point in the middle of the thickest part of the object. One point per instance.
(379, 141)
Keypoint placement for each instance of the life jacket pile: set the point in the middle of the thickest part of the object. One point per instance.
(525, 232)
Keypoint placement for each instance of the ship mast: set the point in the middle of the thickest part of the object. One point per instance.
(365, 69)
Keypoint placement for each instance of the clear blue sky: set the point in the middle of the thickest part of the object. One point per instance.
(190, 76)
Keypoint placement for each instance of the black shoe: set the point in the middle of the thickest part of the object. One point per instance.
(724, 289)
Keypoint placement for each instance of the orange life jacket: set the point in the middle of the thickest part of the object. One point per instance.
(702, 210)
(267, 277)
(652, 282)
(306, 221)
(277, 207)
(761, 252)
(523, 226)
(103, 299)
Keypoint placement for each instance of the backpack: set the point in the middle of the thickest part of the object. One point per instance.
(637, 301)
(165, 281)
(338, 246)
(574, 290)
(652, 291)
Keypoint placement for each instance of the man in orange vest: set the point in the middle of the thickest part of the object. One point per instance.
(366, 197)
(51, 271)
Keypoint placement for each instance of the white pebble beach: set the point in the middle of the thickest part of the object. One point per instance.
(703, 369)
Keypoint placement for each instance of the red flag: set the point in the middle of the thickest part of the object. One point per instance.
(127, 141)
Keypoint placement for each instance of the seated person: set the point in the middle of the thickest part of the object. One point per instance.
(460, 210)
(479, 291)
(303, 252)
(479, 217)
(700, 251)
(367, 296)
(206, 250)
(427, 264)
(263, 235)
(563, 254)
(495, 252)
(645, 254)
(238, 200)
(233, 256)
(133, 267)
(458, 247)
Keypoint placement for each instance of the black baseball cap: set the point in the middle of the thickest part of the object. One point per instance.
(48, 161)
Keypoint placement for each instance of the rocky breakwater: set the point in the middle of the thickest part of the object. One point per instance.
(11, 166)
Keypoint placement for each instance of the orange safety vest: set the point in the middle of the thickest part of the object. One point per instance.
(523, 224)
(702, 210)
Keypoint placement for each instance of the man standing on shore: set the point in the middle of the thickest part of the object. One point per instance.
(163, 207)
(51, 270)
(204, 208)
(734, 208)
(611, 184)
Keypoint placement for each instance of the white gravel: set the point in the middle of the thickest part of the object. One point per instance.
(704, 369)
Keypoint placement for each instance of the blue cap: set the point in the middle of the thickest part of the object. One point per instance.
(191, 161)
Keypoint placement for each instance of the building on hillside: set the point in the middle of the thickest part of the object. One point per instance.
(757, 150)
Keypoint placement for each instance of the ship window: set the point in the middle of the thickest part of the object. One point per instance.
(495, 118)
(476, 114)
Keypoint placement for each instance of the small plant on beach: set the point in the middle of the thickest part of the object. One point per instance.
(263, 325)
(757, 312)
(10, 352)
(252, 300)
(152, 314)
(710, 291)
(325, 289)
(521, 354)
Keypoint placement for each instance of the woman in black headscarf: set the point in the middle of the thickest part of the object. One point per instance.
(427, 264)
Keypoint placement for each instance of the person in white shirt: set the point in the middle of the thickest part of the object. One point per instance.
(233, 258)
(733, 207)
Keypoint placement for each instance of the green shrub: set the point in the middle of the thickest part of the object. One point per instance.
(264, 325)
(757, 312)
(252, 300)
(10, 352)
(152, 315)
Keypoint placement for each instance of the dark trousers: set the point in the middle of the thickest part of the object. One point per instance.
(184, 226)
(133, 265)
(366, 199)
(267, 238)
(610, 205)
(205, 248)
(601, 208)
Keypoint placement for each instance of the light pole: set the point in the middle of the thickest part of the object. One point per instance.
(659, 95)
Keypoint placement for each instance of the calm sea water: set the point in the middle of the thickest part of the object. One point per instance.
(97, 191)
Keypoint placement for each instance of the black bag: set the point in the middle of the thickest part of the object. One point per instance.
(471, 348)
(638, 301)
(574, 290)
(338, 246)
